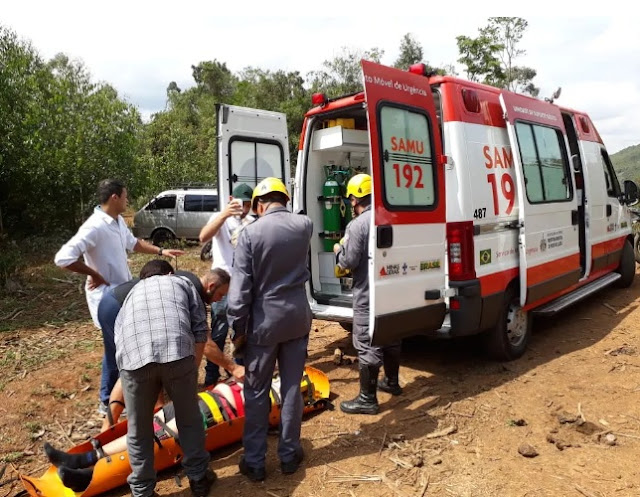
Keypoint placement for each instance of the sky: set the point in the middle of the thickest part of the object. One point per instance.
(139, 47)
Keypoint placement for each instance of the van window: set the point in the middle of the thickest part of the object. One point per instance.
(613, 186)
(167, 202)
(544, 163)
(408, 172)
(193, 203)
(209, 203)
(252, 161)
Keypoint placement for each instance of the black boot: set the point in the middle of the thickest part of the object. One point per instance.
(77, 480)
(390, 383)
(366, 402)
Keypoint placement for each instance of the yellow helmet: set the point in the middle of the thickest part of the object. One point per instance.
(268, 185)
(359, 186)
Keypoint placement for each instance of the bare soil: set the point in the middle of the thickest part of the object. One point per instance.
(459, 429)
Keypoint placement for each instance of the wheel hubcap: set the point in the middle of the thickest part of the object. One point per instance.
(516, 324)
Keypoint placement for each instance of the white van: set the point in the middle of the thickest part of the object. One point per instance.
(489, 206)
(177, 213)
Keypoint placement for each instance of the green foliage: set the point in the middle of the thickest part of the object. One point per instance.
(410, 52)
(342, 75)
(60, 134)
(490, 58)
(627, 163)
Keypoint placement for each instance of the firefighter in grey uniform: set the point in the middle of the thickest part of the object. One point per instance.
(267, 308)
(353, 254)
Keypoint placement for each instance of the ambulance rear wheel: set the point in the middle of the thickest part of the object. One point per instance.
(509, 338)
(627, 268)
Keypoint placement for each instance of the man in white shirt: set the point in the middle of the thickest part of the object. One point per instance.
(104, 240)
(222, 229)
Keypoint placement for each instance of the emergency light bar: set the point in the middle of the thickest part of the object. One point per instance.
(319, 99)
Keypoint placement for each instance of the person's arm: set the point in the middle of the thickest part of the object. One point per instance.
(213, 353)
(199, 353)
(349, 253)
(240, 296)
(145, 247)
(217, 220)
(198, 314)
(69, 254)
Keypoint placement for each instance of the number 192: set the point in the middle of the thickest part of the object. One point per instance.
(412, 176)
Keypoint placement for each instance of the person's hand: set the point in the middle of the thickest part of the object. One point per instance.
(233, 208)
(336, 248)
(95, 281)
(238, 372)
(172, 252)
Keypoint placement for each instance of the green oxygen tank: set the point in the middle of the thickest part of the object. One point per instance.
(331, 216)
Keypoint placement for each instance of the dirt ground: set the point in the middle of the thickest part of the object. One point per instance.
(456, 431)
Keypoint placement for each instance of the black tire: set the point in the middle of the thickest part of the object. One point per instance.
(205, 252)
(636, 247)
(627, 267)
(509, 338)
(161, 236)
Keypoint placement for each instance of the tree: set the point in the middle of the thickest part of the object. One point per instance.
(410, 53)
(343, 74)
(490, 58)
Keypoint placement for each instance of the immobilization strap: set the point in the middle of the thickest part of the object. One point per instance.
(166, 428)
(98, 448)
(226, 405)
(110, 414)
(274, 397)
(207, 415)
(213, 407)
(237, 396)
(216, 398)
(310, 391)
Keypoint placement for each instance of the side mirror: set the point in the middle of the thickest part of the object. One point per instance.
(575, 163)
(631, 194)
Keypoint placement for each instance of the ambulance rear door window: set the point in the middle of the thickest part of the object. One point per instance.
(407, 159)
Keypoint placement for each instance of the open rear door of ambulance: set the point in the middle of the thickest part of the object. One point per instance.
(548, 209)
(253, 144)
(407, 237)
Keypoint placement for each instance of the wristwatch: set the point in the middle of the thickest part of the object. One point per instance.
(160, 252)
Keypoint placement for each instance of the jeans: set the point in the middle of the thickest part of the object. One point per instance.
(107, 313)
(219, 332)
(141, 388)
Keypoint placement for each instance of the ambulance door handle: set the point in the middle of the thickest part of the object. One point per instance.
(574, 217)
(384, 238)
(609, 210)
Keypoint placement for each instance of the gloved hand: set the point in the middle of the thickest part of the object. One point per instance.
(341, 273)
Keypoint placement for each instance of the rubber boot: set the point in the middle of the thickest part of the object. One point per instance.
(390, 382)
(366, 402)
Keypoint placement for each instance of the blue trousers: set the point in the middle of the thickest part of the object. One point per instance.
(107, 313)
(260, 362)
(219, 332)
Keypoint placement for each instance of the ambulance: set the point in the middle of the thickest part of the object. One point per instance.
(490, 207)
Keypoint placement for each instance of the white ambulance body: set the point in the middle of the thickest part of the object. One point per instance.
(489, 206)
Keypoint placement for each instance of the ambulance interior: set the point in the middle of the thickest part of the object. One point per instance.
(338, 149)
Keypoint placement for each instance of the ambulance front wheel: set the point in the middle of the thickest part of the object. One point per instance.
(636, 247)
(627, 268)
(509, 338)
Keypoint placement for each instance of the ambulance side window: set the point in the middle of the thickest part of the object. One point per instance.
(407, 158)
(613, 187)
(545, 164)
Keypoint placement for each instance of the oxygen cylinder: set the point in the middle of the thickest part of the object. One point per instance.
(331, 216)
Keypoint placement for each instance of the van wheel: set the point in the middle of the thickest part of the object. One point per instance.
(627, 267)
(636, 247)
(161, 236)
(509, 338)
(205, 252)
